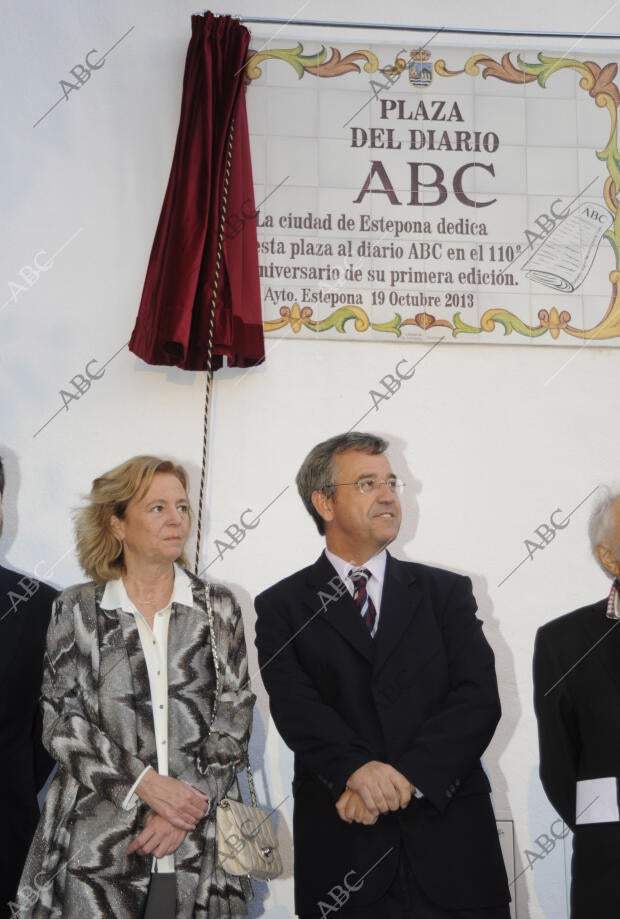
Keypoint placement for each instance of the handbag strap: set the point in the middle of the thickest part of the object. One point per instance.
(218, 686)
(214, 653)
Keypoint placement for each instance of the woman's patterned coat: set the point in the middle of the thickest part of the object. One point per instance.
(98, 724)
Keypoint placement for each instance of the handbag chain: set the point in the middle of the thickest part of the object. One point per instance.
(218, 686)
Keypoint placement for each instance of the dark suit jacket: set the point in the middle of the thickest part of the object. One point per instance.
(422, 696)
(25, 607)
(577, 703)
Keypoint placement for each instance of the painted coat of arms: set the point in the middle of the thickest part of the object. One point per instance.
(420, 68)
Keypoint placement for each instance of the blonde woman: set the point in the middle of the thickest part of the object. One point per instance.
(129, 689)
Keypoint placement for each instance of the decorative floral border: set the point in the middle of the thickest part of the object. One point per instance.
(597, 81)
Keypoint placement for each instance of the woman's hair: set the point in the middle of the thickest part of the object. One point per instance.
(100, 552)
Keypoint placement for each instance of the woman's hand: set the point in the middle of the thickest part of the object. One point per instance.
(180, 804)
(159, 837)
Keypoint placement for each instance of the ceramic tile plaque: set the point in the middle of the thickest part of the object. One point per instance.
(418, 194)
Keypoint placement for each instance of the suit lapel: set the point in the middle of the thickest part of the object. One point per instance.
(188, 636)
(400, 603)
(328, 598)
(604, 638)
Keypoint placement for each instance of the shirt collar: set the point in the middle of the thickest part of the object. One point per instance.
(115, 594)
(613, 612)
(376, 565)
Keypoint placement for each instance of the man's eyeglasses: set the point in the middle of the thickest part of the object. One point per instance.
(368, 485)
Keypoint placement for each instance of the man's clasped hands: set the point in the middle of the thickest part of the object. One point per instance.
(373, 789)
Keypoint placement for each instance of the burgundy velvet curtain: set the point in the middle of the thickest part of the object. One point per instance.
(172, 327)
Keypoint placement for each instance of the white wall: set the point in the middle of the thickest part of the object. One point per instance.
(490, 440)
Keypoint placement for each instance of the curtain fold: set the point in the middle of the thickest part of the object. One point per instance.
(173, 322)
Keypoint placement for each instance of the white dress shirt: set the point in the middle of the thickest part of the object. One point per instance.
(155, 648)
(376, 566)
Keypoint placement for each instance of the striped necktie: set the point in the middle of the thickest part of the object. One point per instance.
(362, 600)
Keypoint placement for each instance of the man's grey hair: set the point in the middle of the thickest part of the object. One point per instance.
(601, 525)
(318, 470)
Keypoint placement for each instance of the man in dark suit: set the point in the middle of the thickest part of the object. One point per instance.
(25, 607)
(381, 682)
(577, 703)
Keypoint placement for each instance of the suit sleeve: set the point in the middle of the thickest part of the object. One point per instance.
(322, 737)
(558, 735)
(448, 745)
(224, 750)
(70, 729)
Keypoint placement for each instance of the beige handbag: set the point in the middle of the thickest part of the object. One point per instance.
(245, 840)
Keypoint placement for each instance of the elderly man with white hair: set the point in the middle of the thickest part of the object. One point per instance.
(577, 703)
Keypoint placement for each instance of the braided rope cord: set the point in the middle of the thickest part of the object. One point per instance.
(209, 383)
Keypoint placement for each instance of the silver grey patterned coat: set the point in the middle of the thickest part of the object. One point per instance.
(98, 725)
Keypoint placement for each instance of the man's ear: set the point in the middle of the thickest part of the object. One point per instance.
(607, 558)
(322, 505)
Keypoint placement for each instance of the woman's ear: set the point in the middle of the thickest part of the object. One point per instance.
(117, 527)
